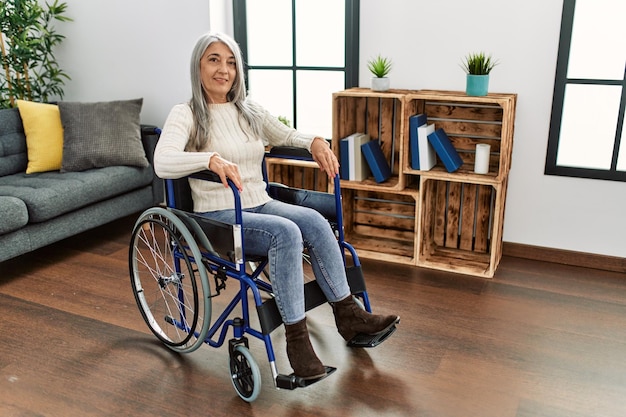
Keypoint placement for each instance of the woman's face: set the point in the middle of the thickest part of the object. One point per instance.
(218, 71)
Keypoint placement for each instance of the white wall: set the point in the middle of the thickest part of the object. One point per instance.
(111, 55)
(119, 49)
(427, 39)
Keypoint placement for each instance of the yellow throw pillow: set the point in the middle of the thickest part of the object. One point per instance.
(44, 135)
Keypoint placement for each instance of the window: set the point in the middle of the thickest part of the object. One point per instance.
(299, 52)
(590, 92)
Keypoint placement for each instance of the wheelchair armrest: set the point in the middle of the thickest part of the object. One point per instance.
(206, 175)
(290, 152)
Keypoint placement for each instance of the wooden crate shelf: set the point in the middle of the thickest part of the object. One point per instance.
(434, 219)
(381, 116)
(460, 227)
(462, 213)
(468, 121)
(381, 225)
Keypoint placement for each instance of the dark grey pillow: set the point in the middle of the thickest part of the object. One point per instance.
(101, 134)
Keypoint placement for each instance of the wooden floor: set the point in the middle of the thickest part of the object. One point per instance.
(539, 339)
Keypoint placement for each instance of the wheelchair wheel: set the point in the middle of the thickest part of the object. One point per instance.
(171, 289)
(245, 374)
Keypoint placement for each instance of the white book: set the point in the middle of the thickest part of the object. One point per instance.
(427, 154)
(351, 160)
(357, 166)
(361, 169)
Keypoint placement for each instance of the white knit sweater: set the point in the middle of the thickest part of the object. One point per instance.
(231, 142)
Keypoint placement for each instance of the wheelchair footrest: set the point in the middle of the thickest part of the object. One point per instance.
(371, 340)
(292, 381)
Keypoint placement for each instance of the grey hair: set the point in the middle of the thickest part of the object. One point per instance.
(237, 94)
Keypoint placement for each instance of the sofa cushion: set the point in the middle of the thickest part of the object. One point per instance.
(13, 158)
(44, 135)
(50, 194)
(14, 214)
(101, 134)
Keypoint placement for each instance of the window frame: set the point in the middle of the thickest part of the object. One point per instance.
(351, 62)
(560, 84)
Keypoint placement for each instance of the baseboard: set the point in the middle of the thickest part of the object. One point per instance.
(582, 259)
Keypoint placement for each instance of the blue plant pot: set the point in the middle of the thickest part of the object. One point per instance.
(477, 85)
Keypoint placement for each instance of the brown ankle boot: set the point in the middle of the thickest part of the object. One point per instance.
(302, 357)
(352, 319)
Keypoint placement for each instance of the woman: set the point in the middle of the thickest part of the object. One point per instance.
(221, 130)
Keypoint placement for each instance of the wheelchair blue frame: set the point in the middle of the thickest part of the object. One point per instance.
(252, 283)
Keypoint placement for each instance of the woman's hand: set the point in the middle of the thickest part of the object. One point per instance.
(226, 170)
(324, 156)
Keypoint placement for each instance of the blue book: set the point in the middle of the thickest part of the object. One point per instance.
(448, 155)
(344, 155)
(415, 121)
(376, 160)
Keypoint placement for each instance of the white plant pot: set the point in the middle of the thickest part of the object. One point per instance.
(380, 84)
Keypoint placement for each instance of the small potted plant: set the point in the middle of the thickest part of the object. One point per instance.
(477, 66)
(379, 67)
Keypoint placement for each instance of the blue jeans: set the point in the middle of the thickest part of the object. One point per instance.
(280, 231)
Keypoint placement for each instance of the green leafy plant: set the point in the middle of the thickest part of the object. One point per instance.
(27, 40)
(478, 63)
(379, 66)
(284, 120)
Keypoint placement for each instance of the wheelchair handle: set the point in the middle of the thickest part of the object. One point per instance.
(207, 175)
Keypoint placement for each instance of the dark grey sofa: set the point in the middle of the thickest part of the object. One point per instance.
(42, 208)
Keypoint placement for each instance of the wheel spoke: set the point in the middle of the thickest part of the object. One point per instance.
(170, 291)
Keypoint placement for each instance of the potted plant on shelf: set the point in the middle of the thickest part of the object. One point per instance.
(27, 39)
(379, 67)
(477, 66)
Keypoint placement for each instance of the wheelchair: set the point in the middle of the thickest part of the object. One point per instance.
(179, 261)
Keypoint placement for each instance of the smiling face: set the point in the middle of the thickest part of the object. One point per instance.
(218, 71)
